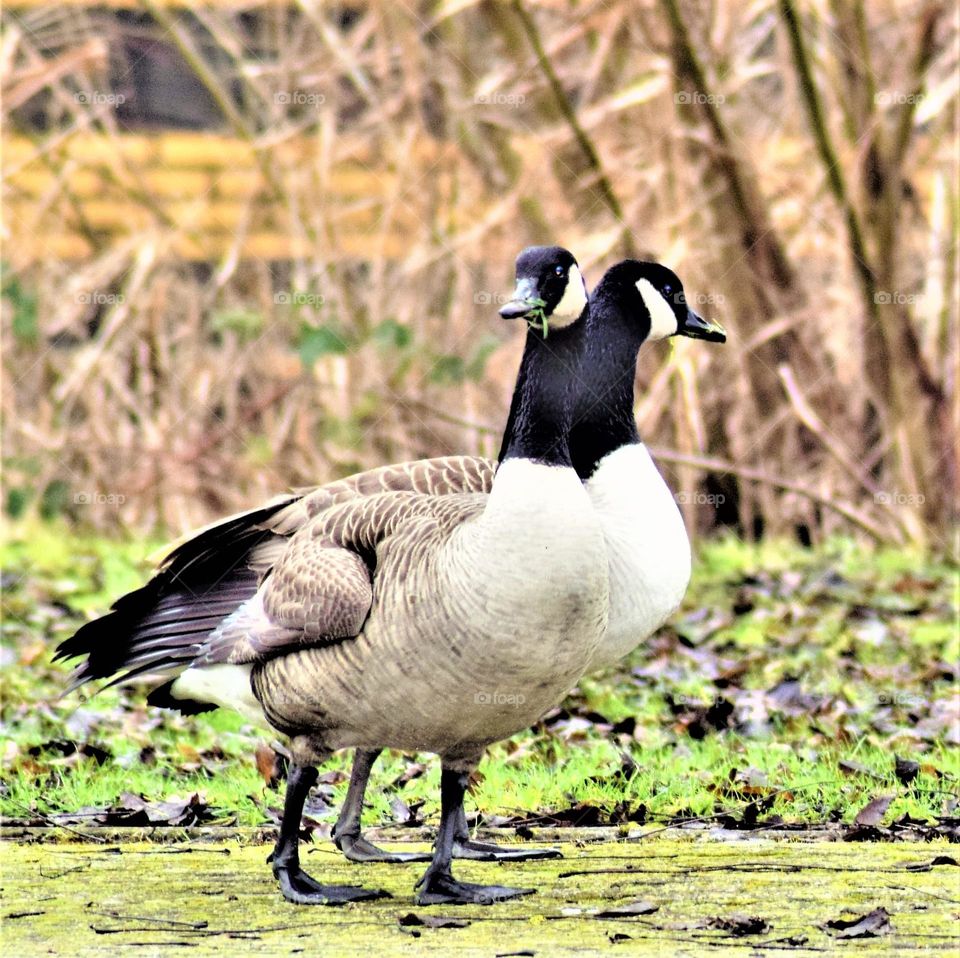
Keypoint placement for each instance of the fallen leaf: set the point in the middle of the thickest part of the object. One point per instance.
(583, 815)
(334, 777)
(872, 813)
(412, 771)
(405, 814)
(906, 770)
(871, 925)
(739, 925)
(626, 726)
(135, 810)
(630, 910)
(855, 768)
(270, 765)
(68, 748)
(188, 752)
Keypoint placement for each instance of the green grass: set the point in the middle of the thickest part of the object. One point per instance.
(870, 635)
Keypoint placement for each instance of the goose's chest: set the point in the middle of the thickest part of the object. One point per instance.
(474, 639)
(530, 579)
(647, 548)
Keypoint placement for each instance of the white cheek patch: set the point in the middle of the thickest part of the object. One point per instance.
(663, 322)
(572, 302)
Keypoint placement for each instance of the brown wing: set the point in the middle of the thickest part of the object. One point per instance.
(318, 593)
(444, 475)
(206, 583)
(321, 590)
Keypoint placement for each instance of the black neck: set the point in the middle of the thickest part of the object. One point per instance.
(603, 415)
(538, 426)
(596, 360)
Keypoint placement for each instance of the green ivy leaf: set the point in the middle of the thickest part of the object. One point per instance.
(448, 369)
(316, 341)
(18, 499)
(24, 321)
(53, 501)
(391, 335)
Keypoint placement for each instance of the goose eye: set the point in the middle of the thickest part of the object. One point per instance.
(668, 290)
(559, 270)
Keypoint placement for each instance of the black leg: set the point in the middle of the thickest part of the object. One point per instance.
(346, 833)
(297, 886)
(438, 886)
(465, 847)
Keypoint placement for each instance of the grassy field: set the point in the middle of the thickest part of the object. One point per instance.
(793, 685)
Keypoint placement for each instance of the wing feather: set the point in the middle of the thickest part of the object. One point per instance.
(202, 603)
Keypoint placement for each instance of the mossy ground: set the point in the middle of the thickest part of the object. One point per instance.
(212, 899)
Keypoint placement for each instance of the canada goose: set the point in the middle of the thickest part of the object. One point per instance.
(647, 545)
(225, 562)
(395, 619)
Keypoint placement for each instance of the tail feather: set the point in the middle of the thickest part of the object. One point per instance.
(161, 626)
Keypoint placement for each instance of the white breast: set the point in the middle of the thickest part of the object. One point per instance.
(538, 556)
(647, 549)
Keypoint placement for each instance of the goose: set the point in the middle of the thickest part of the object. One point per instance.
(647, 545)
(226, 561)
(392, 619)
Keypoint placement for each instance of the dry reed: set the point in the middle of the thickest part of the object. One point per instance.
(194, 321)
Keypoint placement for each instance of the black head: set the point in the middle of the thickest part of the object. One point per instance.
(654, 294)
(550, 289)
